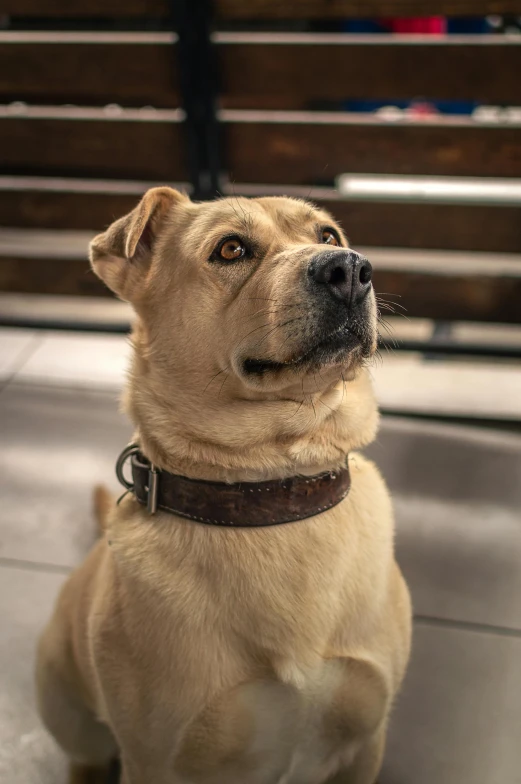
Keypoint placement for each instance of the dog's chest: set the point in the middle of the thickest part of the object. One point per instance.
(300, 729)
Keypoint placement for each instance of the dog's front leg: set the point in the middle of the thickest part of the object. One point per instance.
(139, 772)
(367, 763)
(86, 774)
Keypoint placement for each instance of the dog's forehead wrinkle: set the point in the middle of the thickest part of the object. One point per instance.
(271, 221)
(225, 216)
(290, 215)
(277, 214)
(241, 209)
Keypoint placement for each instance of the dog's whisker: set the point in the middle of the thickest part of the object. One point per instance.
(317, 387)
(278, 326)
(262, 312)
(343, 386)
(378, 353)
(391, 306)
(381, 294)
(298, 409)
(222, 386)
(386, 307)
(390, 302)
(262, 326)
(325, 404)
(388, 328)
(224, 370)
(272, 312)
(284, 341)
(390, 332)
(212, 379)
(267, 299)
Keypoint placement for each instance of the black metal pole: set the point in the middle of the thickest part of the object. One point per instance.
(199, 90)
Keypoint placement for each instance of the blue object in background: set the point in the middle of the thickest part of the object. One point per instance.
(455, 26)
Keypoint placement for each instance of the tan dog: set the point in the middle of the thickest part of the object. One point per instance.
(205, 655)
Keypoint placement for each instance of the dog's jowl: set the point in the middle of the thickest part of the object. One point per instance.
(241, 619)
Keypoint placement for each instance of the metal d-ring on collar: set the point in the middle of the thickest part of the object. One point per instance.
(153, 477)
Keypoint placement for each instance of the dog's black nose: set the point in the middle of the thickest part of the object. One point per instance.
(346, 274)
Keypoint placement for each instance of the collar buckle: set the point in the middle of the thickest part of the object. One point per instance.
(152, 488)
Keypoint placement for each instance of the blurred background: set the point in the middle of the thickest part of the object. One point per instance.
(401, 117)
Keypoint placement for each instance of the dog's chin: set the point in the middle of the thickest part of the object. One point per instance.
(345, 348)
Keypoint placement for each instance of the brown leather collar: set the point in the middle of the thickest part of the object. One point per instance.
(240, 505)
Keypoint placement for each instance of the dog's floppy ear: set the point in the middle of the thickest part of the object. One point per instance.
(121, 255)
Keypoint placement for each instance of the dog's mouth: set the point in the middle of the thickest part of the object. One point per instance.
(335, 348)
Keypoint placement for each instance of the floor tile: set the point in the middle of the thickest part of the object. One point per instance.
(28, 755)
(413, 384)
(458, 720)
(457, 495)
(15, 346)
(78, 360)
(462, 561)
(56, 444)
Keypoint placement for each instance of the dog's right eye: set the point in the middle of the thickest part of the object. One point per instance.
(230, 249)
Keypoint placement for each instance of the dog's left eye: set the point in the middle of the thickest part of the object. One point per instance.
(230, 249)
(329, 237)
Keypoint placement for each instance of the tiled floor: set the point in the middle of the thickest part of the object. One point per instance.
(458, 499)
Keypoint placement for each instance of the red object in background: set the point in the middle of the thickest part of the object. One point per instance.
(433, 25)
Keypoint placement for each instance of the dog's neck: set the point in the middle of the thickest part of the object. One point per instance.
(229, 436)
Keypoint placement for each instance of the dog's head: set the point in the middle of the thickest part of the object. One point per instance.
(252, 316)
(267, 289)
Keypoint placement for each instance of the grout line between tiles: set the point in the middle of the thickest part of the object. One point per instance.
(467, 626)
(34, 566)
(23, 357)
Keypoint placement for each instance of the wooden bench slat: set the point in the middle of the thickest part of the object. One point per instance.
(366, 9)
(299, 72)
(290, 71)
(434, 226)
(86, 8)
(306, 151)
(60, 210)
(444, 299)
(60, 68)
(50, 276)
(92, 148)
(385, 224)
(264, 9)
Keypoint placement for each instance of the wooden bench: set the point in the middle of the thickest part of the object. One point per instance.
(91, 117)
